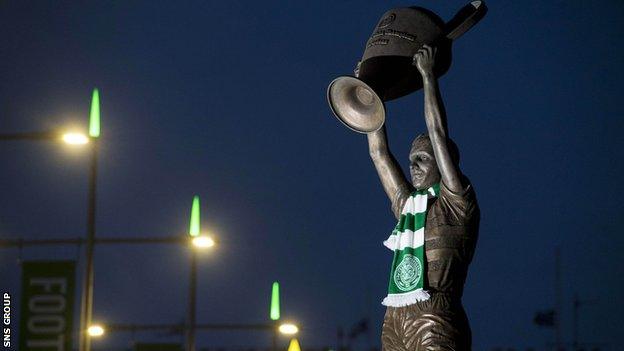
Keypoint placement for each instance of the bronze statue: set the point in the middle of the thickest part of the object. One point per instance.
(451, 230)
(438, 214)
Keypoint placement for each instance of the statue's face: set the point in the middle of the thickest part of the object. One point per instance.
(423, 167)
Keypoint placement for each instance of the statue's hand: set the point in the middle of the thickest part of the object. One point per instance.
(356, 70)
(424, 59)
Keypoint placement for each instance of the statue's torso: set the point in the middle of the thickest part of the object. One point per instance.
(451, 232)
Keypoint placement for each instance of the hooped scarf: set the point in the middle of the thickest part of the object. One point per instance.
(408, 243)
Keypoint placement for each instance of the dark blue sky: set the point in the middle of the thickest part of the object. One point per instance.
(227, 100)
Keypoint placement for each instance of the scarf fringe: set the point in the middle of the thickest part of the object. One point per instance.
(391, 242)
(410, 298)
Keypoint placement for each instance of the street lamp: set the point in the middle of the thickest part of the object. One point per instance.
(75, 138)
(203, 242)
(288, 329)
(78, 139)
(95, 330)
(86, 308)
(285, 328)
(199, 241)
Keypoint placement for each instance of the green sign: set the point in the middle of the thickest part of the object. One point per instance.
(157, 347)
(47, 305)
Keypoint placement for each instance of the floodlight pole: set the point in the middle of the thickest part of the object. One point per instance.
(86, 310)
(191, 323)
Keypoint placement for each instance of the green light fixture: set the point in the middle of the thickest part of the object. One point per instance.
(275, 303)
(194, 227)
(94, 116)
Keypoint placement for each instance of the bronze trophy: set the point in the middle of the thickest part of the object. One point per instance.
(386, 71)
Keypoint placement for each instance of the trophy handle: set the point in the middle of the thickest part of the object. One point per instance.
(465, 19)
(356, 104)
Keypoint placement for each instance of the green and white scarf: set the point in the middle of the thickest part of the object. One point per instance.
(408, 243)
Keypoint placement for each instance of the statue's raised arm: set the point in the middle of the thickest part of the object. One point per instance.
(389, 171)
(435, 117)
(390, 174)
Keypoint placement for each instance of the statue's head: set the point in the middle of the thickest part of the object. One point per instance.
(423, 167)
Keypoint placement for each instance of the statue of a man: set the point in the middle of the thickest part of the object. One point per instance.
(450, 230)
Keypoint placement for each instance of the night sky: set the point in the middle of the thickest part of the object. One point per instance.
(226, 100)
